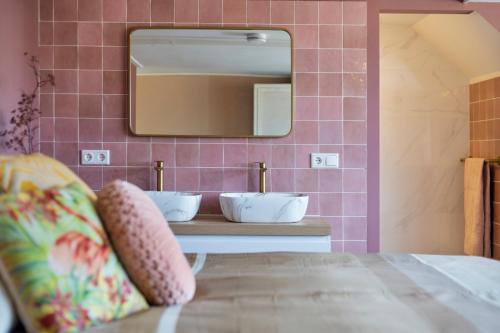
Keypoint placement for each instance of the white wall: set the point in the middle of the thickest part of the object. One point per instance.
(424, 132)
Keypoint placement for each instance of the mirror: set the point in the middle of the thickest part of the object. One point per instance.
(210, 82)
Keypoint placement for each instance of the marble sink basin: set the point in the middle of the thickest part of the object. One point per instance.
(176, 206)
(263, 207)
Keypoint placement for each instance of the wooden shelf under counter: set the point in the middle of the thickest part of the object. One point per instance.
(217, 225)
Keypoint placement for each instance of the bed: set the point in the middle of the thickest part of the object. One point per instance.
(285, 292)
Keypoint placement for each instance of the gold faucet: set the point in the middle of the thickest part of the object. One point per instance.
(159, 175)
(262, 177)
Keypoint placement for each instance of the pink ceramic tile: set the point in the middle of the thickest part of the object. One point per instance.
(330, 12)
(66, 81)
(306, 60)
(118, 153)
(138, 10)
(281, 180)
(306, 12)
(140, 177)
(354, 12)
(187, 179)
(330, 60)
(47, 148)
(210, 203)
(90, 130)
(115, 130)
(354, 84)
(65, 10)
(112, 173)
(313, 206)
(306, 132)
(282, 12)
(186, 11)
(163, 10)
(92, 176)
(65, 33)
(234, 11)
(114, 10)
(283, 156)
(330, 180)
(330, 108)
(354, 108)
(163, 152)
(355, 60)
(354, 180)
(306, 36)
(138, 154)
(211, 179)
(46, 57)
(115, 58)
(303, 155)
(259, 153)
(258, 12)
(337, 246)
(337, 228)
(47, 129)
(355, 156)
(330, 36)
(306, 84)
(90, 106)
(65, 57)
(330, 132)
(187, 155)
(66, 105)
(354, 37)
(115, 82)
(358, 247)
(235, 180)
(235, 155)
(66, 153)
(46, 33)
(355, 228)
(90, 82)
(90, 57)
(89, 33)
(114, 34)
(306, 108)
(114, 106)
(211, 155)
(46, 10)
(47, 88)
(330, 204)
(46, 105)
(330, 84)
(306, 180)
(66, 130)
(354, 204)
(90, 10)
(354, 132)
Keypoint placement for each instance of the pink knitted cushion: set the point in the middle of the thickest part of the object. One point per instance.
(145, 244)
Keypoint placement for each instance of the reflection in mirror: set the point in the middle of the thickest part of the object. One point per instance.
(210, 82)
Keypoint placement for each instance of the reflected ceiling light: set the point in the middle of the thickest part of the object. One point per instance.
(256, 37)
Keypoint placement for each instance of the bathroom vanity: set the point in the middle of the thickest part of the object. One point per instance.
(213, 234)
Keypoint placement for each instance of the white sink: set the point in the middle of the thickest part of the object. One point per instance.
(176, 206)
(263, 207)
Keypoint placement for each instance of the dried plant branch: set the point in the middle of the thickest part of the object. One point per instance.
(20, 136)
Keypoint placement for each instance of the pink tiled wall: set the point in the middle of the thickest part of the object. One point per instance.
(84, 44)
(485, 140)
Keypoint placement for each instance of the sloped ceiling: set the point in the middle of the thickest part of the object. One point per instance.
(468, 41)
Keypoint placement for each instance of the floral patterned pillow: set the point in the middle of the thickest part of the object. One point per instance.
(58, 263)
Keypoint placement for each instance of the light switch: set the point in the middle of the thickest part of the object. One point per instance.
(332, 160)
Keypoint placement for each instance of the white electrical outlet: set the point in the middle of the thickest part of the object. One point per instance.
(325, 161)
(95, 157)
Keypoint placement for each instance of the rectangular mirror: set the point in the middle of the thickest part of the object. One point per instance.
(210, 82)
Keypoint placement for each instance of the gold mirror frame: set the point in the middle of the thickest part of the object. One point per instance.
(292, 76)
